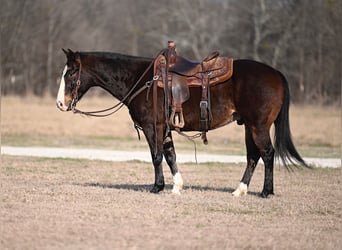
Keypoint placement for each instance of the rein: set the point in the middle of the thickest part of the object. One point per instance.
(129, 99)
(118, 106)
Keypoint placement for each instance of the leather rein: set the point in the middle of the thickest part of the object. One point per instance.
(129, 98)
(120, 104)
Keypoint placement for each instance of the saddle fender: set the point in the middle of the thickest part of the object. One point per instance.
(180, 89)
(180, 94)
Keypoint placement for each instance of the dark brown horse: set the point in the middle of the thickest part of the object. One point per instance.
(256, 96)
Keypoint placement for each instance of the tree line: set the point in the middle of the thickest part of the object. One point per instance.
(302, 38)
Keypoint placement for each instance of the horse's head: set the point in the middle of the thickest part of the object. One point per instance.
(73, 83)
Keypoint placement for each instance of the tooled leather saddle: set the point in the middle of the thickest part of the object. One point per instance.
(179, 74)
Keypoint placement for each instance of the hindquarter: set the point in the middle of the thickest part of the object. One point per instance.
(258, 92)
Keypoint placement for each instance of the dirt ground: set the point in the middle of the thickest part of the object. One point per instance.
(82, 204)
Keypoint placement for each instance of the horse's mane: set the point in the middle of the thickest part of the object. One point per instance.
(112, 55)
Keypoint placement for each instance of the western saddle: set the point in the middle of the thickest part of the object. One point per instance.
(179, 74)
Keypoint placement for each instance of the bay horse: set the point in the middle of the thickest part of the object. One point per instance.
(256, 96)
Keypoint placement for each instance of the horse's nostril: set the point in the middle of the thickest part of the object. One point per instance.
(59, 104)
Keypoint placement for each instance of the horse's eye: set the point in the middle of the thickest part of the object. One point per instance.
(71, 72)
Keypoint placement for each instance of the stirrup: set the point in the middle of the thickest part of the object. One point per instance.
(176, 118)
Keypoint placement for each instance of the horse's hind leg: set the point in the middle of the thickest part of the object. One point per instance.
(253, 156)
(261, 137)
(170, 157)
(268, 159)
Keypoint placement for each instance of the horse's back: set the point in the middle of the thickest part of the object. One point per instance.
(253, 72)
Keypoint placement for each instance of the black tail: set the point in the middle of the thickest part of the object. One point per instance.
(283, 144)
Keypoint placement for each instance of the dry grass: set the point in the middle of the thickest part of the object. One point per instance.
(33, 121)
(81, 204)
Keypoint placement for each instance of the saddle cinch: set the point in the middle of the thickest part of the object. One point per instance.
(179, 74)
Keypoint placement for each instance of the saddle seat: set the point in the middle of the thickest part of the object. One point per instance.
(186, 67)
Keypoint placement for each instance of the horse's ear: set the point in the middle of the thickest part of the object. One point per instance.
(65, 52)
(69, 53)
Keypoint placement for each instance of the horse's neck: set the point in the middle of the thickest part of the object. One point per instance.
(117, 76)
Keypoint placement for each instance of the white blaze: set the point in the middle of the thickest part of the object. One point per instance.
(60, 97)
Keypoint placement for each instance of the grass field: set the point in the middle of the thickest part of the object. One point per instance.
(37, 122)
(82, 204)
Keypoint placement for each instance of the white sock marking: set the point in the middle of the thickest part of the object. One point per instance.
(177, 183)
(241, 190)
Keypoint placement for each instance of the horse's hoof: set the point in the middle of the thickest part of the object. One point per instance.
(156, 189)
(265, 194)
(176, 191)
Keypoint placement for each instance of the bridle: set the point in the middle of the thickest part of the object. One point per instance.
(75, 91)
(128, 97)
(118, 106)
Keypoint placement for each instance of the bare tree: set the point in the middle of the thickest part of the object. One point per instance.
(300, 38)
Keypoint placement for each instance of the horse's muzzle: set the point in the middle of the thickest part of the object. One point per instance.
(60, 105)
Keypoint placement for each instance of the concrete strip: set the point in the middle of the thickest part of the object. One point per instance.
(116, 155)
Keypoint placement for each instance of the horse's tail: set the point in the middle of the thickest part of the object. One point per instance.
(284, 147)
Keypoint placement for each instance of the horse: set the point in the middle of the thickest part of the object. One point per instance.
(256, 96)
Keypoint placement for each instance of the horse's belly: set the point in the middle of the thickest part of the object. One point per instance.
(225, 122)
(220, 120)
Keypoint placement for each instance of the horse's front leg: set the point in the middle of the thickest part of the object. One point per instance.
(158, 172)
(155, 143)
(170, 157)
